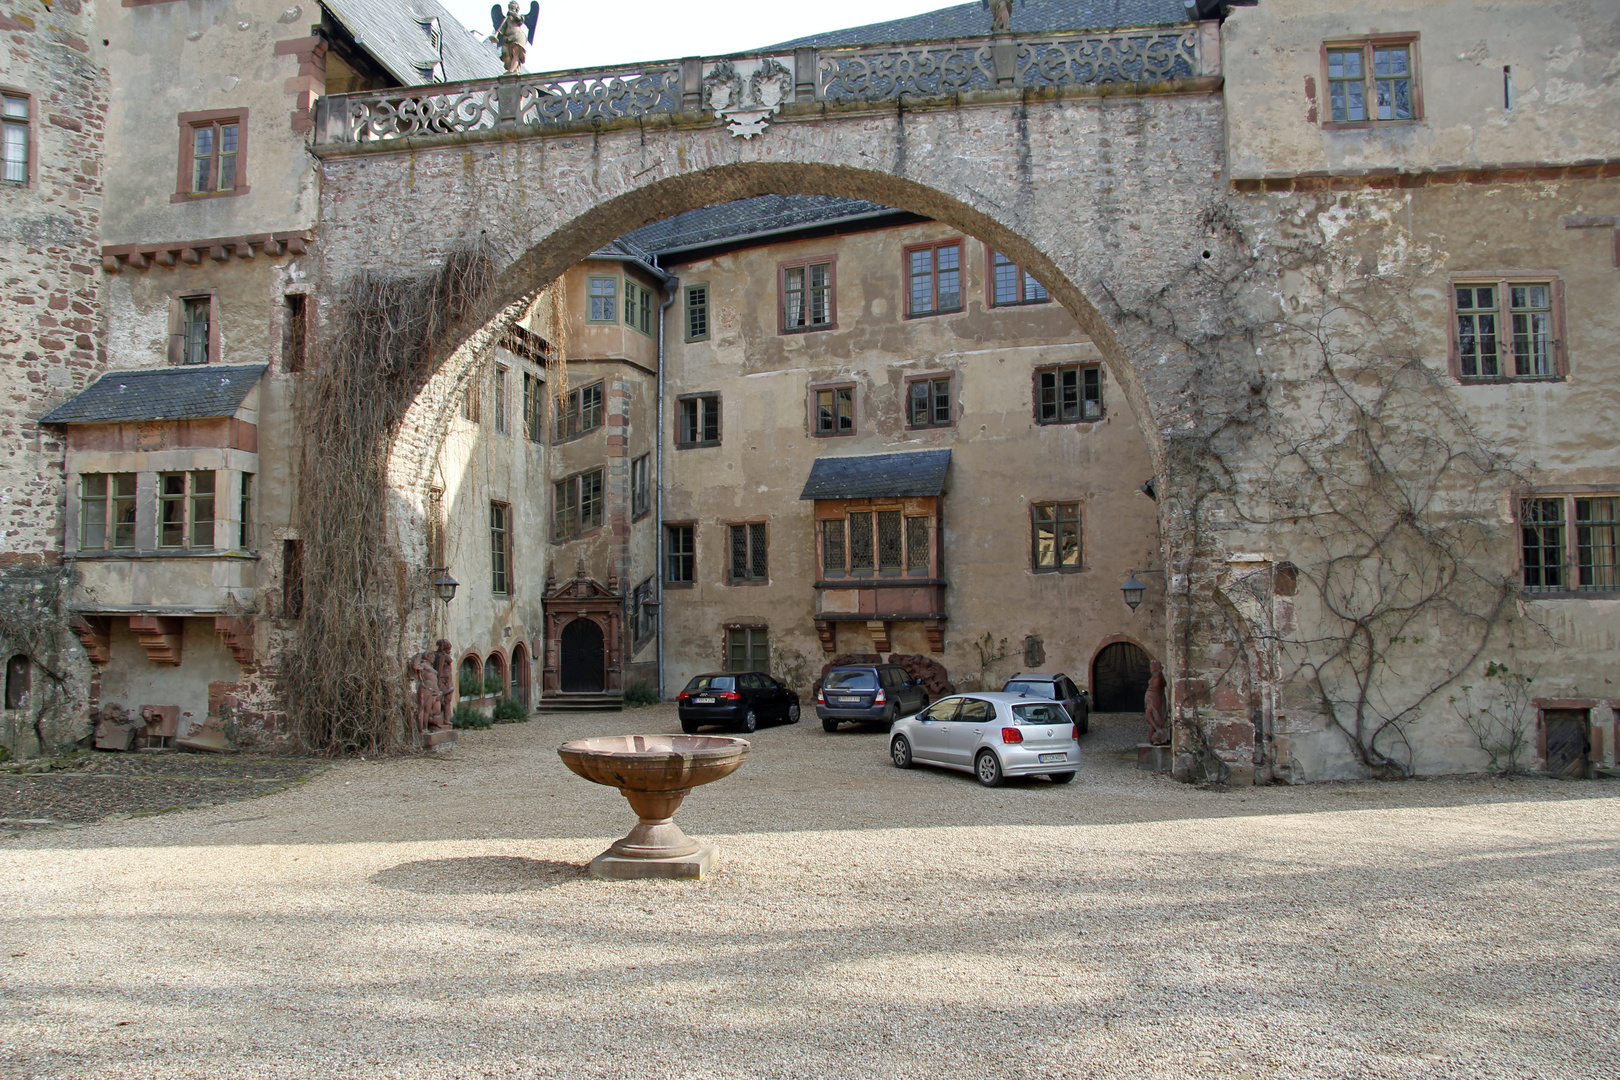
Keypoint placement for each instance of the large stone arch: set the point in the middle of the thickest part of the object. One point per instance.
(1109, 200)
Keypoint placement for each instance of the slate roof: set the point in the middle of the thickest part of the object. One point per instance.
(759, 216)
(1028, 17)
(176, 393)
(917, 472)
(392, 32)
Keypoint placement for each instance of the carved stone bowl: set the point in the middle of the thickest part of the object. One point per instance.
(655, 772)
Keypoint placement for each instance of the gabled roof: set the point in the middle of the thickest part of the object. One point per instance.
(1028, 17)
(917, 472)
(396, 34)
(176, 393)
(762, 216)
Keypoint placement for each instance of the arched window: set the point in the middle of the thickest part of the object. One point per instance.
(470, 681)
(19, 680)
(495, 675)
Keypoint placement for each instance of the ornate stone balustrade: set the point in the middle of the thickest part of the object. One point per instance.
(745, 91)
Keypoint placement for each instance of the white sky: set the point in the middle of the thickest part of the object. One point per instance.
(608, 32)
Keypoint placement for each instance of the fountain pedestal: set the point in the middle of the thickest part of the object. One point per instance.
(655, 773)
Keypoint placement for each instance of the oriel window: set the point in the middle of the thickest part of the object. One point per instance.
(244, 538)
(604, 299)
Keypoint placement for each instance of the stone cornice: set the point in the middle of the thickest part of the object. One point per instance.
(1511, 173)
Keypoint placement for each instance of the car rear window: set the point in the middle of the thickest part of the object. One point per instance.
(850, 680)
(1040, 714)
(712, 682)
(1031, 689)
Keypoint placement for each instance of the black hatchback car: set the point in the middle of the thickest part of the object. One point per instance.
(1057, 687)
(736, 699)
(864, 693)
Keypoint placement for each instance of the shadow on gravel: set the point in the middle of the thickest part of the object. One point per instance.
(487, 874)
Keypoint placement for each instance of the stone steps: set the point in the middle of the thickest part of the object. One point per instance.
(581, 703)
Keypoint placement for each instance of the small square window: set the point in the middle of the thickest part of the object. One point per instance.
(929, 402)
(1068, 394)
(1372, 80)
(807, 298)
(699, 421)
(835, 410)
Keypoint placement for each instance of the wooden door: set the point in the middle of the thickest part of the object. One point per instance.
(582, 658)
(1568, 742)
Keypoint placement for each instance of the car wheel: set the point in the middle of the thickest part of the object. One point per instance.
(689, 726)
(988, 769)
(750, 723)
(793, 713)
(1060, 777)
(829, 725)
(900, 751)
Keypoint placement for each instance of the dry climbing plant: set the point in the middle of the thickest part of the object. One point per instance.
(1385, 494)
(343, 676)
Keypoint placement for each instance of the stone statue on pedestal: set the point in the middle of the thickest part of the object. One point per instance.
(513, 32)
(1153, 703)
(1000, 15)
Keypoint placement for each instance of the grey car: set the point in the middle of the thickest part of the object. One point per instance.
(1059, 688)
(863, 693)
(992, 736)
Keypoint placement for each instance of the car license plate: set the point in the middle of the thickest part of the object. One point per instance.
(1054, 757)
(703, 701)
(849, 701)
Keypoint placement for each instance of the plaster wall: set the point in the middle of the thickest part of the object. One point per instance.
(1563, 61)
(132, 680)
(166, 59)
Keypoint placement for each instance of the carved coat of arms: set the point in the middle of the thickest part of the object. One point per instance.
(745, 93)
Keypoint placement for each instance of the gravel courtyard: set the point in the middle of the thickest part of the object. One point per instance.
(429, 918)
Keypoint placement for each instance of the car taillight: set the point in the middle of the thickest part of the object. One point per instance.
(1075, 734)
(729, 695)
(685, 696)
(1011, 735)
(880, 699)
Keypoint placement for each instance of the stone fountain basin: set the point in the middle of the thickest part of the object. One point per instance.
(654, 762)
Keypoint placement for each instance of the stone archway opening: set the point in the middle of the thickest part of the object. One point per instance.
(1119, 677)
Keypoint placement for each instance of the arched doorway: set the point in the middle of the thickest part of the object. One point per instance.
(520, 675)
(582, 658)
(1119, 678)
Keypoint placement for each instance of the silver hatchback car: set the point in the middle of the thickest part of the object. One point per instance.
(992, 736)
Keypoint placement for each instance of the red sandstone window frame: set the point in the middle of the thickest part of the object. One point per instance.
(31, 126)
(1024, 277)
(1502, 281)
(782, 268)
(816, 390)
(906, 252)
(1367, 43)
(177, 325)
(189, 122)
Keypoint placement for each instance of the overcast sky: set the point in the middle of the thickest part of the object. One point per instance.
(606, 32)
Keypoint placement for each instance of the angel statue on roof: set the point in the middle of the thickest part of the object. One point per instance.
(514, 32)
(1000, 15)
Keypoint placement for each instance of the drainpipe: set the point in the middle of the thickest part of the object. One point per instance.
(674, 286)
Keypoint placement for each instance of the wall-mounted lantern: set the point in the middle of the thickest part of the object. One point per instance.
(1133, 591)
(444, 586)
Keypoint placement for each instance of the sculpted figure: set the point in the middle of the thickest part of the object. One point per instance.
(1154, 705)
(445, 664)
(514, 32)
(429, 702)
(1000, 15)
